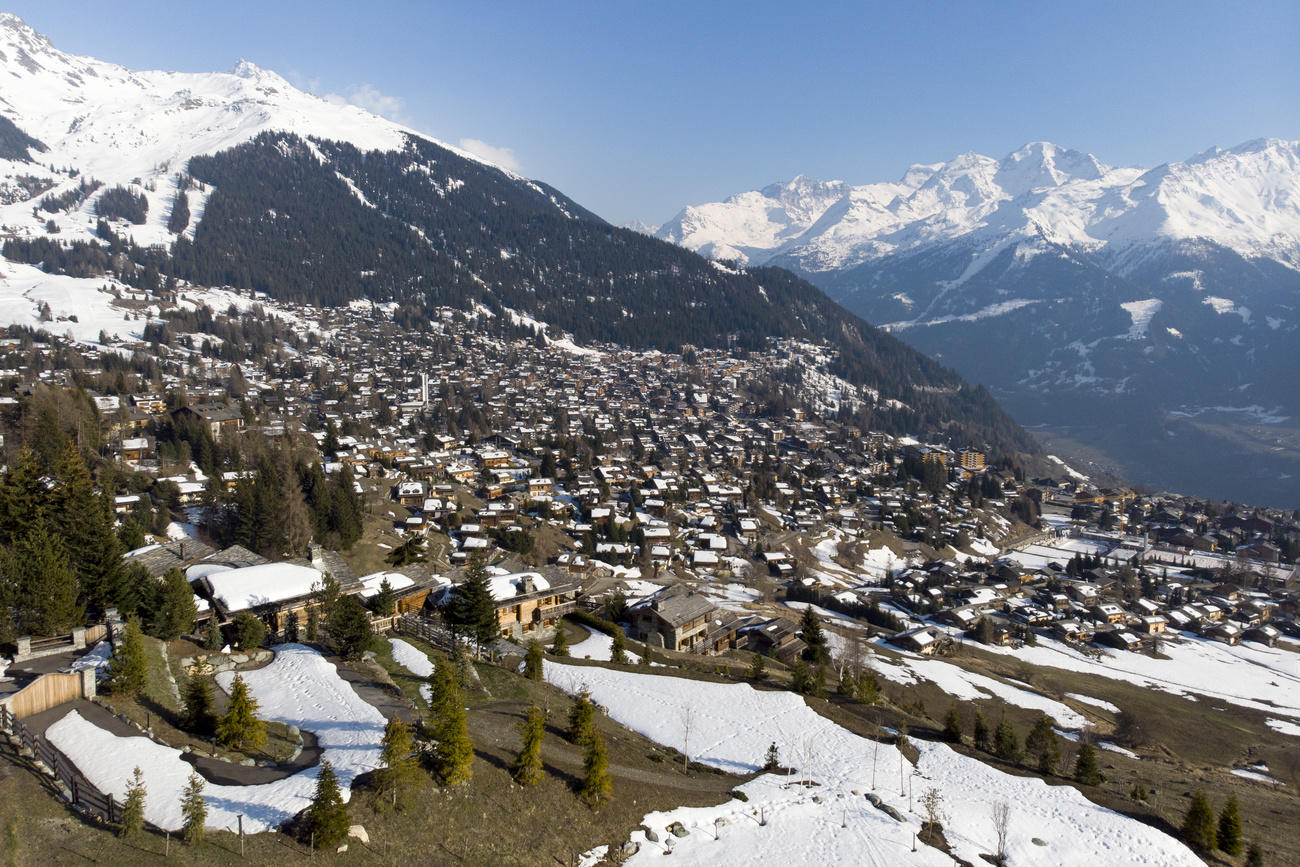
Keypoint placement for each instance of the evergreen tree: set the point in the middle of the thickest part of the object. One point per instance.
(24, 503)
(239, 727)
(868, 688)
(194, 810)
(132, 820)
(327, 818)
(47, 588)
(527, 769)
(802, 679)
(250, 631)
(596, 783)
(1198, 825)
(618, 648)
(1041, 743)
(1006, 743)
(772, 760)
(533, 660)
(1229, 836)
(410, 551)
(345, 509)
(85, 521)
(313, 623)
(129, 667)
(292, 628)
(178, 610)
(472, 609)
(848, 685)
(349, 628)
(582, 717)
(453, 753)
(982, 733)
(952, 732)
(757, 667)
(1086, 771)
(384, 602)
(810, 631)
(400, 770)
(212, 634)
(560, 643)
(297, 520)
(198, 715)
(1254, 856)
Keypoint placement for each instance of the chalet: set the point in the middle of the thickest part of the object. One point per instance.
(137, 448)
(215, 416)
(675, 618)
(528, 604)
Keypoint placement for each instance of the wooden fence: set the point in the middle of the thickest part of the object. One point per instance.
(47, 691)
(425, 630)
(73, 785)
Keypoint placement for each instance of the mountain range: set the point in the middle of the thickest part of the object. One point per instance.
(239, 179)
(1145, 318)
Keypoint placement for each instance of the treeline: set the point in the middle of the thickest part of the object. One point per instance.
(279, 507)
(60, 555)
(119, 203)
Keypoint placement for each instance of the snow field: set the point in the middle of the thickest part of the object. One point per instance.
(299, 688)
(411, 658)
(730, 726)
(598, 646)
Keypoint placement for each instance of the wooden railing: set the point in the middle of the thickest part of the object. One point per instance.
(73, 785)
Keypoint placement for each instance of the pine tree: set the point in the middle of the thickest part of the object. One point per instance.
(560, 644)
(982, 733)
(952, 732)
(527, 769)
(1254, 856)
(198, 716)
(757, 667)
(178, 610)
(250, 631)
(327, 818)
(453, 752)
(24, 503)
(596, 783)
(1198, 825)
(1085, 766)
(313, 623)
(772, 760)
(194, 810)
(296, 518)
(384, 602)
(848, 685)
(400, 770)
(1042, 744)
(533, 660)
(472, 607)
(212, 634)
(349, 628)
(132, 820)
(582, 717)
(618, 648)
(129, 666)
(292, 627)
(802, 679)
(868, 688)
(48, 588)
(239, 727)
(1229, 836)
(1006, 743)
(811, 632)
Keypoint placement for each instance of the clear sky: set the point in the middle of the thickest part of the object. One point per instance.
(636, 109)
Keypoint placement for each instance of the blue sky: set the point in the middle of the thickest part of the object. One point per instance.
(637, 109)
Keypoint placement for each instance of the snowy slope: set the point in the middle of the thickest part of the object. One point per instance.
(1246, 198)
(300, 688)
(784, 822)
(139, 128)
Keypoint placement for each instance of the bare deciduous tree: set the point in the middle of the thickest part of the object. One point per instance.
(1001, 824)
(688, 721)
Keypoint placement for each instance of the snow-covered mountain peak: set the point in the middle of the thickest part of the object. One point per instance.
(1246, 198)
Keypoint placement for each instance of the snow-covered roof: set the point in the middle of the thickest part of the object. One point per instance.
(507, 586)
(241, 589)
(396, 580)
